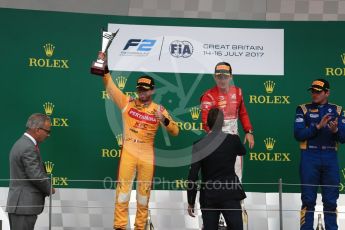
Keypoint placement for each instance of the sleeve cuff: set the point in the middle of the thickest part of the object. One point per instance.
(191, 200)
(106, 69)
(166, 122)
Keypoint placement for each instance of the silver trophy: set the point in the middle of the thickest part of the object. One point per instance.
(99, 66)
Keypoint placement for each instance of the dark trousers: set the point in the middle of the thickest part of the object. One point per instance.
(22, 222)
(233, 218)
(319, 167)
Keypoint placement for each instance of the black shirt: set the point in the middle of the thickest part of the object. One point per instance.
(215, 155)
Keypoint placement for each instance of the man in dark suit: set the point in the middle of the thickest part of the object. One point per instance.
(221, 191)
(26, 197)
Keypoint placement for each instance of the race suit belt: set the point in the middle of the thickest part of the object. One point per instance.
(135, 141)
(230, 126)
(321, 147)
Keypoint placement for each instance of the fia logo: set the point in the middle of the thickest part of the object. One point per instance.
(181, 49)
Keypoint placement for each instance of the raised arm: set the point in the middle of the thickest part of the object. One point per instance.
(117, 96)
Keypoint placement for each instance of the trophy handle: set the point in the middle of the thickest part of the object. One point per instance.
(112, 36)
(116, 32)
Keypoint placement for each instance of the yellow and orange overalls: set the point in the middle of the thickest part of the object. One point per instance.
(140, 126)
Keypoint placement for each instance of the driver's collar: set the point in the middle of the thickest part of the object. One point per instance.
(138, 103)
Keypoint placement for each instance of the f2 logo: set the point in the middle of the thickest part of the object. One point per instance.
(144, 45)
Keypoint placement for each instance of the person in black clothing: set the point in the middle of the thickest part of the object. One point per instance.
(220, 189)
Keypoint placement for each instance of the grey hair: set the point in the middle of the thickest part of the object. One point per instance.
(37, 120)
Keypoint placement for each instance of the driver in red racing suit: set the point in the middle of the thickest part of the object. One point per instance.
(229, 99)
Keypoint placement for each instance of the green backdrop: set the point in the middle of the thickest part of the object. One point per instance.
(83, 144)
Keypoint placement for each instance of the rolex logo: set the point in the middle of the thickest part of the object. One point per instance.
(55, 121)
(48, 108)
(121, 82)
(336, 71)
(49, 167)
(49, 49)
(269, 142)
(268, 98)
(48, 62)
(119, 139)
(192, 126)
(195, 112)
(269, 86)
(270, 155)
(60, 181)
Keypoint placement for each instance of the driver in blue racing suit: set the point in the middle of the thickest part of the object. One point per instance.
(319, 126)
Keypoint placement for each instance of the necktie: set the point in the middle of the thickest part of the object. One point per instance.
(37, 148)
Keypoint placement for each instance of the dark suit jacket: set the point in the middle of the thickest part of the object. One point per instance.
(26, 163)
(215, 156)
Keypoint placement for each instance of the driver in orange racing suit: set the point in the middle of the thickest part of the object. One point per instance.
(141, 120)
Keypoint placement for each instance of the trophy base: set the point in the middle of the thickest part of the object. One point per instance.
(98, 68)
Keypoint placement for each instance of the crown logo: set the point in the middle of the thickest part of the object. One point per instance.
(121, 82)
(48, 108)
(49, 166)
(269, 86)
(269, 142)
(195, 112)
(49, 49)
(343, 58)
(119, 139)
(343, 172)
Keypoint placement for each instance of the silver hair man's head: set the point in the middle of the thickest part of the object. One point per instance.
(37, 120)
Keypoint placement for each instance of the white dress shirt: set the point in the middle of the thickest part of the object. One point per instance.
(31, 138)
